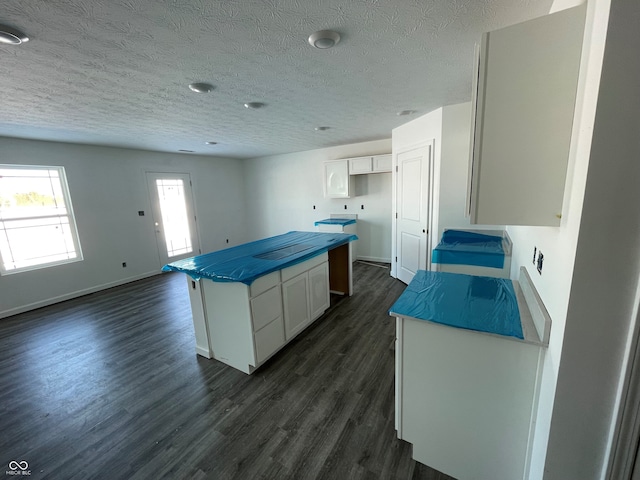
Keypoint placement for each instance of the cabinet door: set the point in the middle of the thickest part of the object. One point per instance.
(336, 179)
(295, 299)
(319, 298)
(527, 83)
(359, 165)
(382, 163)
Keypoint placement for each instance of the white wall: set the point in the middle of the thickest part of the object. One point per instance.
(454, 170)
(281, 191)
(424, 130)
(559, 248)
(602, 300)
(108, 187)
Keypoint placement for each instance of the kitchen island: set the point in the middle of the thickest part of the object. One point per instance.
(469, 350)
(249, 301)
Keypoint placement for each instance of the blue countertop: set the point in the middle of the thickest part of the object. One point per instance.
(459, 247)
(335, 221)
(244, 263)
(482, 304)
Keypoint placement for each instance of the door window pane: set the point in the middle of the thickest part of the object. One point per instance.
(175, 222)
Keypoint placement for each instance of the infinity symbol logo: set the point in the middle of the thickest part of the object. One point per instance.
(23, 465)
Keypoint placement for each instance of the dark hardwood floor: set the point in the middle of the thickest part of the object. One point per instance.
(109, 386)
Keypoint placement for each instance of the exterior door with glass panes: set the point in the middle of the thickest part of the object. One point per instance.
(173, 216)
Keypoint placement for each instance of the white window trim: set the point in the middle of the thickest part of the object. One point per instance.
(62, 175)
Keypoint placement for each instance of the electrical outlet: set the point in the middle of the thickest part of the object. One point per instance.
(535, 252)
(345, 207)
(539, 263)
(227, 240)
(124, 264)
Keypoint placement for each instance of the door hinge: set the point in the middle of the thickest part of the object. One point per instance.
(190, 183)
(396, 214)
(396, 168)
(396, 259)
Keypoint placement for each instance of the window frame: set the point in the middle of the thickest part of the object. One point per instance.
(70, 216)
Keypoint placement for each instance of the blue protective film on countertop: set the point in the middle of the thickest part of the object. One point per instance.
(468, 248)
(483, 304)
(244, 263)
(335, 221)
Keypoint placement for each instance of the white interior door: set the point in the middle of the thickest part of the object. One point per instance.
(412, 212)
(173, 215)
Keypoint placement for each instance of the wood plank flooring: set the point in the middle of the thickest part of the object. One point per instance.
(109, 386)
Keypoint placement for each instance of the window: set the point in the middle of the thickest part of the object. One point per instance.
(37, 228)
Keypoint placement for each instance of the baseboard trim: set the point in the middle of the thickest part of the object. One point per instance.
(374, 259)
(78, 293)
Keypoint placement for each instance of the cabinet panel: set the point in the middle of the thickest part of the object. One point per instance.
(296, 304)
(337, 183)
(526, 93)
(266, 307)
(264, 283)
(360, 165)
(319, 298)
(269, 339)
(382, 163)
(295, 270)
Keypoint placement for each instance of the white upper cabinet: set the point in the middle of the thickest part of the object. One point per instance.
(525, 98)
(371, 164)
(359, 165)
(337, 183)
(382, 163)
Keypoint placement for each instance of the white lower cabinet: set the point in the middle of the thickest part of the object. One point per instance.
(295, 297)
(243, 326)
(318, 290)
(268, 329)
(306, 295)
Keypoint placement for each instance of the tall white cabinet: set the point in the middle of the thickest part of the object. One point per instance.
(525, 98)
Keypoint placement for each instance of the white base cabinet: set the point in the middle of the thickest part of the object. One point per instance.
(243, 325)
(305, 295)
(465, 400)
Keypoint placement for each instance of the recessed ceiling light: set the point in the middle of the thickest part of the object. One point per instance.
(211, 143)
(186, 151)
(201, 87)
(322, 129)
(254, 105)
(11, 36)
(405, 112)
(324, 39)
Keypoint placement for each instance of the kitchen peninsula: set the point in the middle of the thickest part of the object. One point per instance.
(249, 301)
(468, 355)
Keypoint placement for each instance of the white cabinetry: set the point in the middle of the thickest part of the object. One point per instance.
(266, 315)
(319, 298)
(305, 294)
(525, 97)
(372, 164)
(337, 183)
(243, 325)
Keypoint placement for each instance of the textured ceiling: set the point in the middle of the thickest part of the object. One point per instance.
(115, 72)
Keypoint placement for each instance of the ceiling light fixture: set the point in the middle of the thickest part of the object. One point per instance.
(11, 36)
(254, 105)
(211, 143)
(324, 39)
(201, 87)
(405, 112)
(187, 151)
(322, 129)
